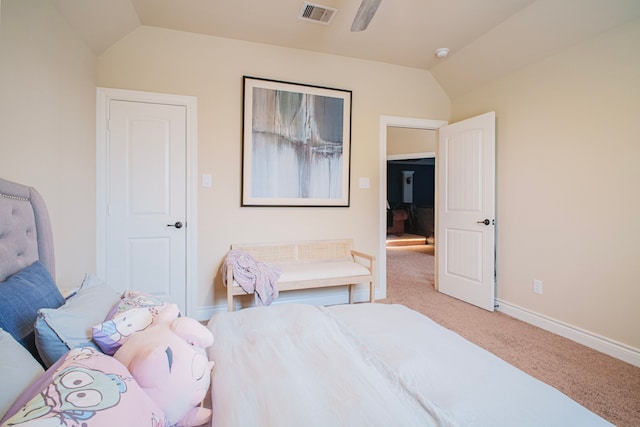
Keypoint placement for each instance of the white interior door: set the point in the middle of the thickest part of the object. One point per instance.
(146, 199)
(465, 239)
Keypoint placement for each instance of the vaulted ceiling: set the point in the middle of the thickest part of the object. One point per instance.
(487, 38)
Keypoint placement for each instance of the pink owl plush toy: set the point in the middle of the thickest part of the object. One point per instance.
(168, 360)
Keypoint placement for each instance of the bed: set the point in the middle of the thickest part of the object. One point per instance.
(369, 365)
(283, 365)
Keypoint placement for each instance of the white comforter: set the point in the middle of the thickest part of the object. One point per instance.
(368, 365)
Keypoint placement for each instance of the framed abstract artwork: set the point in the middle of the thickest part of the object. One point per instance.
(296, 144)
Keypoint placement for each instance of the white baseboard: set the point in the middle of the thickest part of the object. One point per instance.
(612, 348)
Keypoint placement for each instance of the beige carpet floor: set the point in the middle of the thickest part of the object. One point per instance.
(605, 385)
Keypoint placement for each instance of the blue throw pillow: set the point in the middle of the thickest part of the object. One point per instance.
(21, 296)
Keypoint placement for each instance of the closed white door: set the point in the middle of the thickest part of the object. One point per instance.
(465, 240)
(146, 199)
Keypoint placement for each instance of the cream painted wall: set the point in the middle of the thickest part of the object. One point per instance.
(47, 125)
(568, 147)
(407, 140)
(210, 68)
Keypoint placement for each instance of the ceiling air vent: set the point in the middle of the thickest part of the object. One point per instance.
(316, 13)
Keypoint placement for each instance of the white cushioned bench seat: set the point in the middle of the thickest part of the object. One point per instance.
(318, 270)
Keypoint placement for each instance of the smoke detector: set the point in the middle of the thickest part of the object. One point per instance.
(442, 53)
(317, 13)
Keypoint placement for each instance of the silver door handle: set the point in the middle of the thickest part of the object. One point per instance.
(485, 222)
(178, 224)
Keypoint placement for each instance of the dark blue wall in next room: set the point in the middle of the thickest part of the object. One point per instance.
(423, 181)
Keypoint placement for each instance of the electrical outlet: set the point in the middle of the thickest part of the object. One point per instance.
(537, 286)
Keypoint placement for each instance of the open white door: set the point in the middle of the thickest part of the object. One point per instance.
(465, 240)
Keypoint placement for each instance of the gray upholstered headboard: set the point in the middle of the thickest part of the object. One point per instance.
(25, 230)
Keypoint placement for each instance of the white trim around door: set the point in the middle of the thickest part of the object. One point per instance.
(103, 97)
(385, 122)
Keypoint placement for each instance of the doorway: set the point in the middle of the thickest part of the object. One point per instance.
(388, 123)
(465, 206)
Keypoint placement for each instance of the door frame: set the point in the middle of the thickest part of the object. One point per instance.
(103, 97)
(401, 122)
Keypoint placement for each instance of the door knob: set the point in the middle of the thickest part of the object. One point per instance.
(485, 222)
(178, 224)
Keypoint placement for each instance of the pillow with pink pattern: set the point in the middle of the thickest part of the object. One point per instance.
(85, 388)
(134, 312)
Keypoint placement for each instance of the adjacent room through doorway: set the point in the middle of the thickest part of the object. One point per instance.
(410, 194)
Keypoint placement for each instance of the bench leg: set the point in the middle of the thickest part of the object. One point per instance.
(351, 293)
(372, 292)
(229, 301)
(230, 290)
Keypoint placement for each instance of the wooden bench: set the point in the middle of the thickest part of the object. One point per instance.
(310, 264)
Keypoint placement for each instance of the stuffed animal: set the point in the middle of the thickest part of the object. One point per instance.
(168, 360)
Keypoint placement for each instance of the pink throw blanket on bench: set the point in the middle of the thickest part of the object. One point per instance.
(256, 277)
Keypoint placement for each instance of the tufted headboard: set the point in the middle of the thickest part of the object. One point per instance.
(25, 230)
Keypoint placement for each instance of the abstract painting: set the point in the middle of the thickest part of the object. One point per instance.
(296, 144)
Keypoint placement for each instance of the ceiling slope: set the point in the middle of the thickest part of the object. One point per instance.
(487, 38)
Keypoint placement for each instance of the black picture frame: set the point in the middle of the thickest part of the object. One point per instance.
(296, 144)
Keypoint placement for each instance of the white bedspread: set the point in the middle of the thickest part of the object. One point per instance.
(368, 365)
